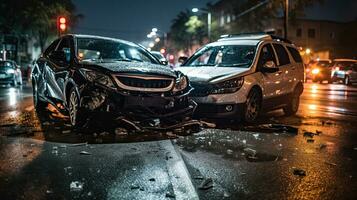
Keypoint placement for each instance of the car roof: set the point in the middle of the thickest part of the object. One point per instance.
(234, 42)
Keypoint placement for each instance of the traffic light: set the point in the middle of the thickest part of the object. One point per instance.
(61, 25)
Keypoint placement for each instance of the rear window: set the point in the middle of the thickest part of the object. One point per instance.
(295, 54)
(282, 54)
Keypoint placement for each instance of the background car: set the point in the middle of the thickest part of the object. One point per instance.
(10, 73)
(319, 70)
(345, 70)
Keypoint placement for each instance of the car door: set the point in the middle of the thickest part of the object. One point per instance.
(286, 67)
(57, 70)
(272, 81)
(39, 70)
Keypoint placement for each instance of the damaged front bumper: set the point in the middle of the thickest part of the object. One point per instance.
(137, 105)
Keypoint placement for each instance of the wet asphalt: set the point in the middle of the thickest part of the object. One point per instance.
(41, 157)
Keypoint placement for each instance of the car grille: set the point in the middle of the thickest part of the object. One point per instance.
(200, 90)
(145, 83)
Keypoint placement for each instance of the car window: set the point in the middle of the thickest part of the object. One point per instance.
(223, 56)
(6, 64)
(266, 54)
(283, 55)
(295, 54)
(104, 50)
(51, 47)
(65, 46)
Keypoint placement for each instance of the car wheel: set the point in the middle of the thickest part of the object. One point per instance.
(38, 104)
(252, 106)
(293, 105)
(14, 82)
(75, 113)
(347, 80)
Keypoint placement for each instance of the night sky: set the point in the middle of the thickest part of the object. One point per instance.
(133, 19)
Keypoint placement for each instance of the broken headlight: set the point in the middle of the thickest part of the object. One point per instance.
(181, 84)
(97, 77)
(229, 86)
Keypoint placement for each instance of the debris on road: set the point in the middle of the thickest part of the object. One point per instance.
(318, 132)
(299, 172)
(171, 135)
(355, 148)
(226, 194)
(250, 152)
(76, 186)
(121, 132)
(310, 140)
(322, 146)
(198, 177)
(49, 192)
(134, 187)
(229, 152)
(152, 179)
(330, 163)
(273, 128)
(66, 131)
(85, 153)
(79, 144)
(206, 184)
(309, 134)
(170, 195)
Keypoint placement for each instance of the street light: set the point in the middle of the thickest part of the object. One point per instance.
(209, 20)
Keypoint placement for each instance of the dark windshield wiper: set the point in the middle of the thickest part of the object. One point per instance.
(203, 65)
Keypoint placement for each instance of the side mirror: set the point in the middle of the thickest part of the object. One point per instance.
(58, 56)
(270, 67)
(182, 59)
(163, 61)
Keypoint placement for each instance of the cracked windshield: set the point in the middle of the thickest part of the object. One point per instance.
(178, 99)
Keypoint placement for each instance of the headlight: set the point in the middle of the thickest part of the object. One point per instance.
(315, 71)
(229, 86)
(97, 77)
(180, 84)
(10, 71)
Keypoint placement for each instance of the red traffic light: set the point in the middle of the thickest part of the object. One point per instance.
(61, 24)
(62, 20)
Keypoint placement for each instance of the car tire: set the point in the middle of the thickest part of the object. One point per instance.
(38, 104)
(347, 80)
(14, 82)
(253, 106)
(76, 115)
(292, 107)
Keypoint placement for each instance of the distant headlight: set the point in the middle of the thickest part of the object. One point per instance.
(180, 84)
(315, 71)
(97, 77)
(229, 86)
(10, 71)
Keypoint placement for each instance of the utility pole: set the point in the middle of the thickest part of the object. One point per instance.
(286, 18)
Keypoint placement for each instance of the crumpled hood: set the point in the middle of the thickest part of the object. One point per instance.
(211, 74)
(134, 67)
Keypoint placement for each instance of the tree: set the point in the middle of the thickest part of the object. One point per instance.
(186, 30)
(36, 18)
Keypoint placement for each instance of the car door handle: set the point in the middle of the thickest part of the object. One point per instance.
(279, 72)
(293, 68)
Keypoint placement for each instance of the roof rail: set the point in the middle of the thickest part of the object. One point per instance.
(270, 34)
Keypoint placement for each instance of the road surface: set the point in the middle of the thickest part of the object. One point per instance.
(42, 158)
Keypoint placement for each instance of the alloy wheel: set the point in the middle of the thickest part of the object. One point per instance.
(73, 107)
(252, 107)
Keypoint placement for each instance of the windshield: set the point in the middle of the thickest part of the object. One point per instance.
(105, 50)
(223, 56)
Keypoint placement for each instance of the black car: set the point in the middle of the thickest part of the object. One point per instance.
(10, 73)
(84, 75)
